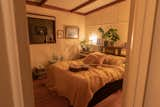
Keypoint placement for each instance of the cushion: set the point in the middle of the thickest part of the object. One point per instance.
(98, 53)
(114, 60)
(94, 58)
(90, 59)
(100, 59)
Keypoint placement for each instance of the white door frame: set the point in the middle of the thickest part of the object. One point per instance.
(17, 60)
(17, 49)
(140, 38)
(152, 93)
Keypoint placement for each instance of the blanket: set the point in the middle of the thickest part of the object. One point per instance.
(79, 87)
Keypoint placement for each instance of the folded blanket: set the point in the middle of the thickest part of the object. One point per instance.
(77, 68)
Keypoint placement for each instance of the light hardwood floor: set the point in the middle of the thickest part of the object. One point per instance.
(44, 98)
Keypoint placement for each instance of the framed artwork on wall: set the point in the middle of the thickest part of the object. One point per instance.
(41, 29)
(71, 32)
(60, 34)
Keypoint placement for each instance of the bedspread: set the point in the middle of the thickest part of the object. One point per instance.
(79, 87)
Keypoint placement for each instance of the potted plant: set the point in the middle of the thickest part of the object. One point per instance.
(85, 46)
(110, 37)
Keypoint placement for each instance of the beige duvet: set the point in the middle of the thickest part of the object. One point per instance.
(79, 87)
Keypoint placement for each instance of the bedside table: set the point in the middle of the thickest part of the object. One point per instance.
(39, 73)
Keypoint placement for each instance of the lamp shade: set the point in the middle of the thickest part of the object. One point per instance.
(93, 39)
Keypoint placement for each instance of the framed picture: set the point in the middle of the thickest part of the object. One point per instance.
(72, 32)
(41, 30)
(60, 34)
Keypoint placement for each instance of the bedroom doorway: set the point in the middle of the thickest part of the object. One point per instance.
(142, 18)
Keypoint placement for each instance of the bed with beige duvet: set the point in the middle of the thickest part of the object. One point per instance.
(79, 87)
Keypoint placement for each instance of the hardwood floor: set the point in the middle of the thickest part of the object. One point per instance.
(44, 98)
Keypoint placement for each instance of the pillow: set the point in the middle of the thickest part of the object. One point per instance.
(114, 60)
(107, 59)
(98, 53)
(100, 59)
(94, 58)
(90, 59)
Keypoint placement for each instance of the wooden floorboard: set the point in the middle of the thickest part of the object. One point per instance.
(45, 98)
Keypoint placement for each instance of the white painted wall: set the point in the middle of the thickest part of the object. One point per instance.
(68, 48)
(116, 16)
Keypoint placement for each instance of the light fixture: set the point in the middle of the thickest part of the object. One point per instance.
(93, 39)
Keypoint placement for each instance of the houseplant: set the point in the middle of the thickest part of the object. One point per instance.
(85, 46)
(110, 37)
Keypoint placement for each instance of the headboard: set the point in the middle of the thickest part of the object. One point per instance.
(118, 51)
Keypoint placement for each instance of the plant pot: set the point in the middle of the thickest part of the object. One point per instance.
(112, 43)
(105, 44)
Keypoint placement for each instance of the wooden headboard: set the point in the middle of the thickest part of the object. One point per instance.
(118, 51)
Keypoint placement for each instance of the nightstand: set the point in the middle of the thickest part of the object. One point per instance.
(39, 73)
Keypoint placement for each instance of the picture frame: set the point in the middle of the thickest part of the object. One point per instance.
(60, 34)
(41, 29)
(71, 32)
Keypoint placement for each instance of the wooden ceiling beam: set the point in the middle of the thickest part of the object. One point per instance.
(79, 13)
(55, 8)
(82, 5)
(42, 2)
(36, 3)
(30, 13)
(102, 7)
(60, 9)
(43, 5)
(51, 7)
(32, 3)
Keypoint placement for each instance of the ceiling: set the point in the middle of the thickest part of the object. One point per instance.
(82, 7)
(66, 4)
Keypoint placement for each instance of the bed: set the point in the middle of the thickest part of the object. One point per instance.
(79, 87)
